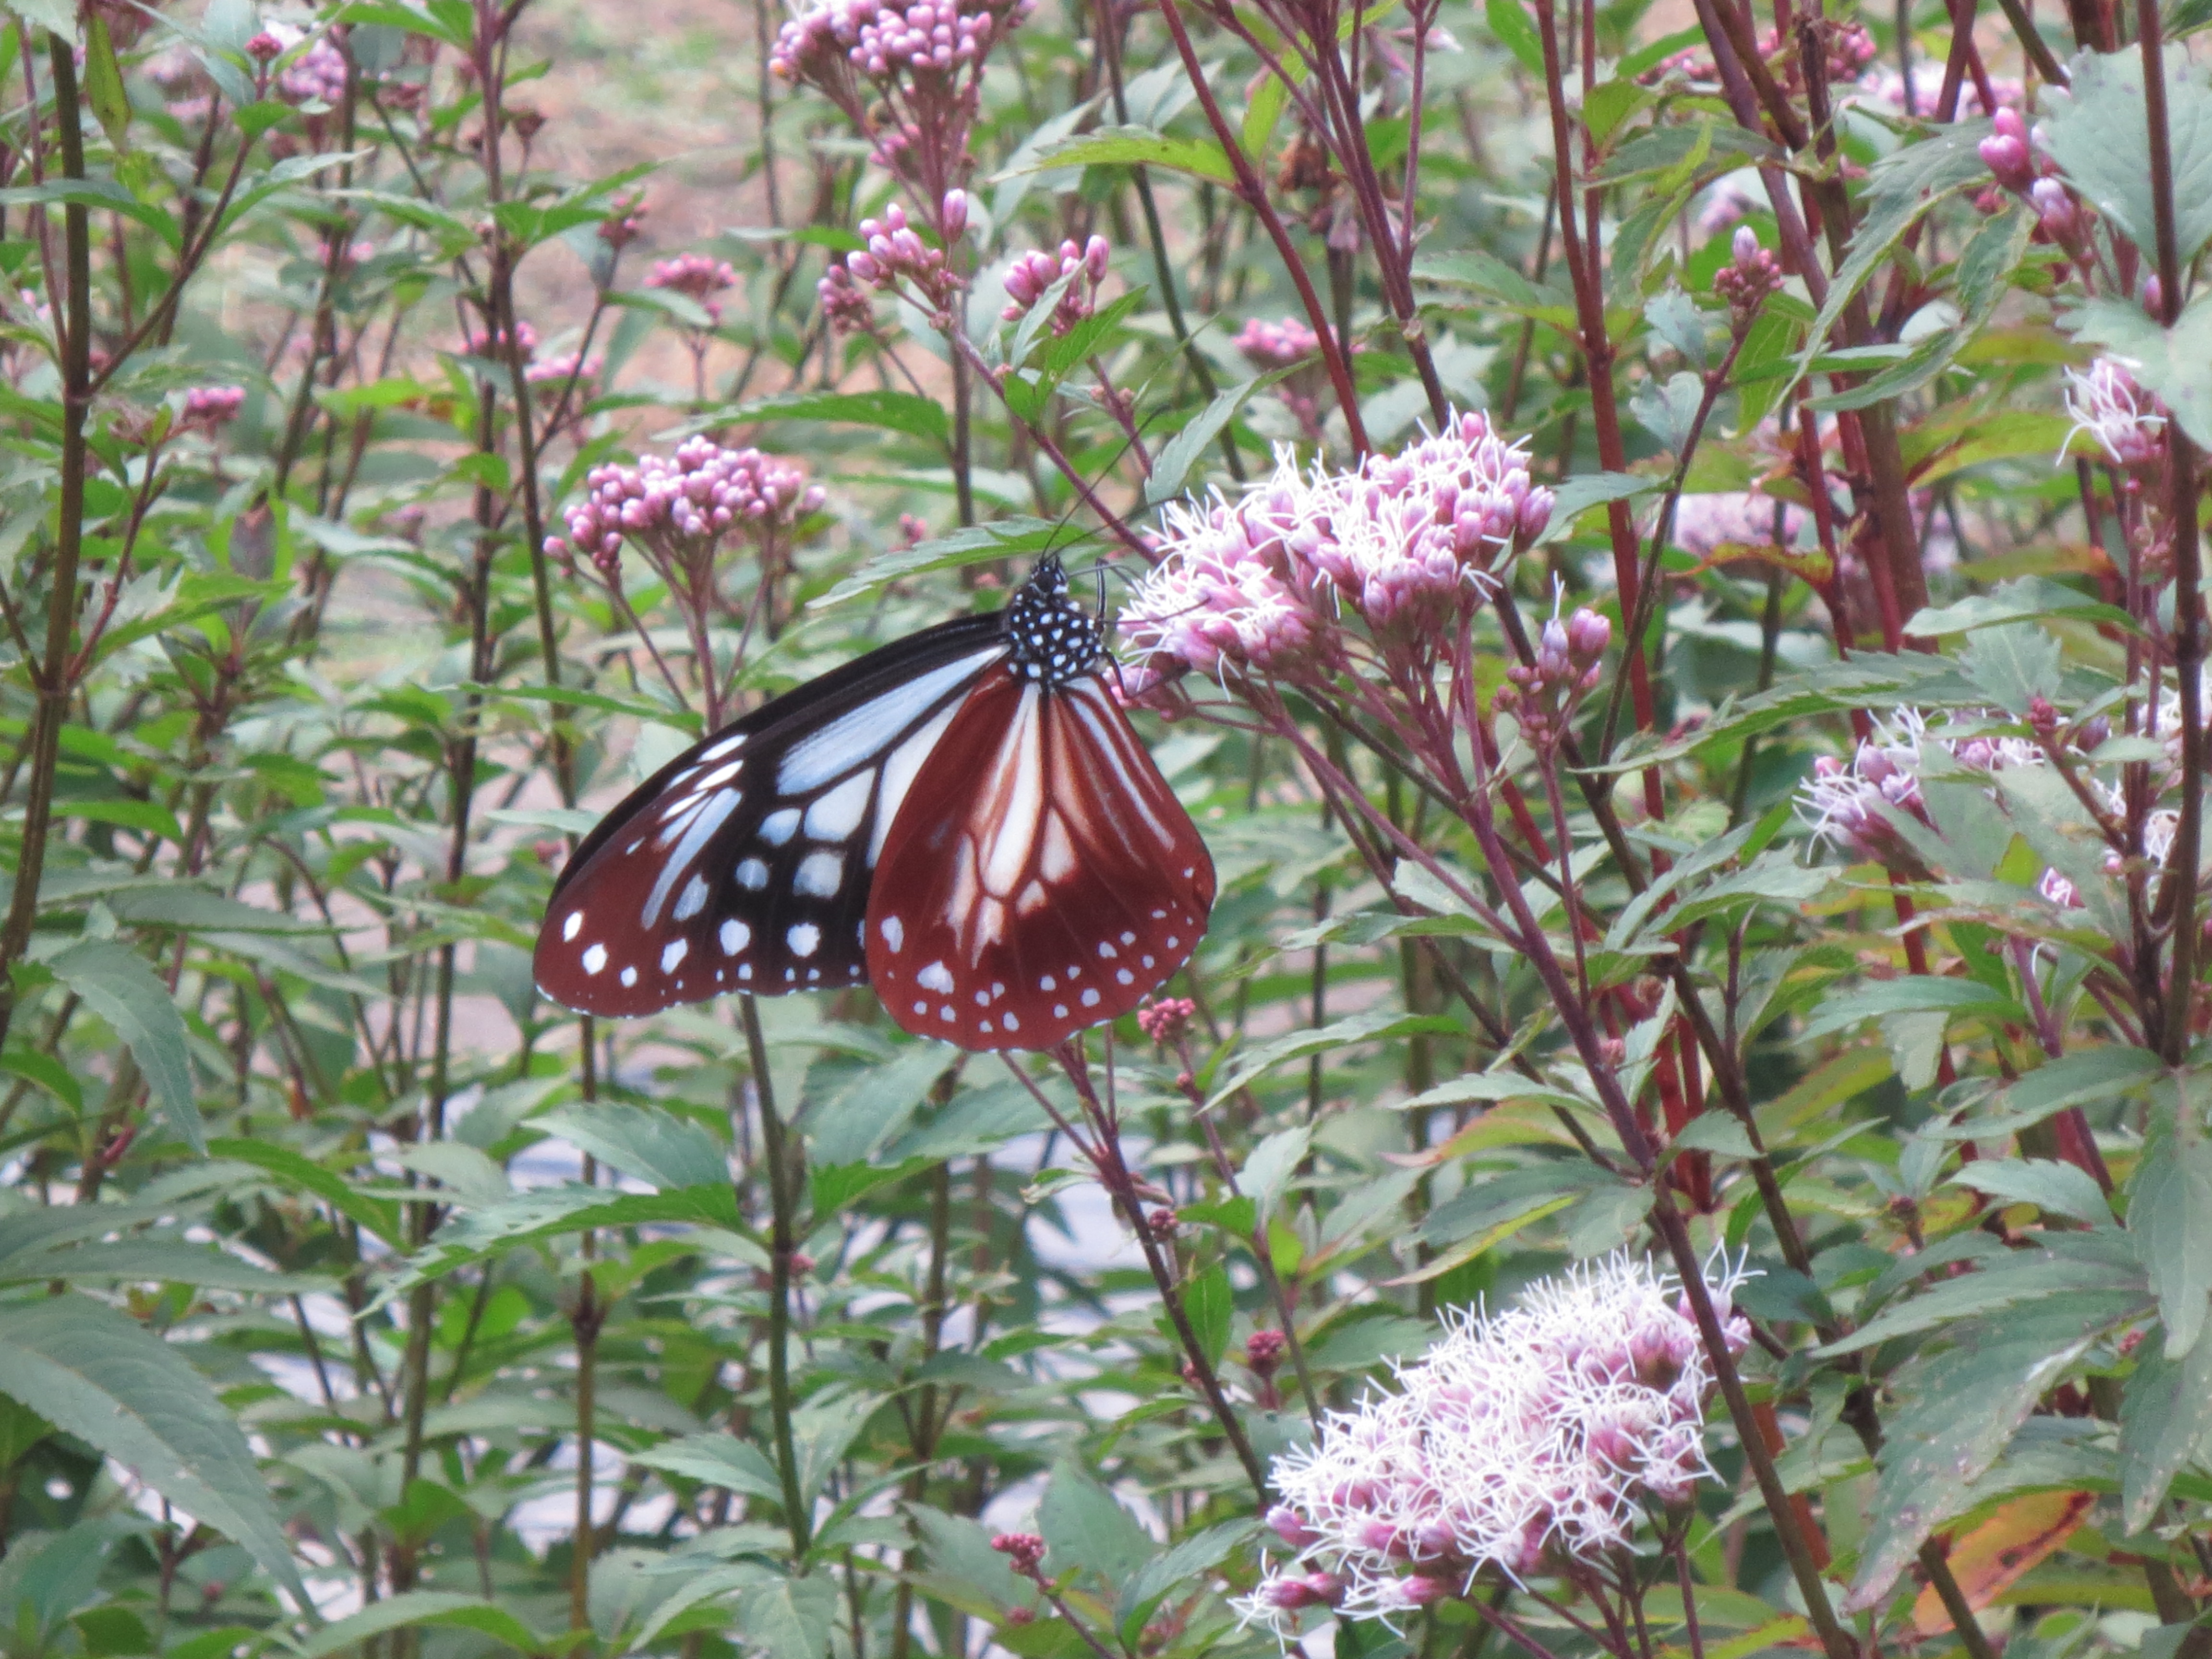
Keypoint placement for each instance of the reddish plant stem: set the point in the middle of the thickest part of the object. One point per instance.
(1252, 191)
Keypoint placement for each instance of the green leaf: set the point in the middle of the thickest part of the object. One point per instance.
(2170, 1213)
(103, 1377)
(1201, 158)
(2175, 363)
(1959, 1409)
(1177, 1569)
(103, 83)
(2165, 1418)
(667, 1152)
(719, 1460)
(1172, 465)
(301, 1173)
(878, 1104)
(554, 1212)
(960, 1550)
(2097, 132)
(2086, 1268)
(1211, 1305)
(2055, 1188)
(1268, 1168)
(891, 410)
(790, 1617)
(1375, 1026)
(1086, 1530)
(117, 985)
(1912, 994)
(2082, 1078)
(419, 1609)
(2027, 598)
(1509, 21)
(1577, 495)
(58, 15)
(983, 544)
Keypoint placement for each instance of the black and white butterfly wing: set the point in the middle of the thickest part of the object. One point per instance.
(745, 863)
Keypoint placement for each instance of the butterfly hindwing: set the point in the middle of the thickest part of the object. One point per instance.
(745, 864)
(1042, 879)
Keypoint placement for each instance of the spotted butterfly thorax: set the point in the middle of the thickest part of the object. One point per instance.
(965, 819)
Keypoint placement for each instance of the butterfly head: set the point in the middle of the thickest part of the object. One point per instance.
(1054, 640)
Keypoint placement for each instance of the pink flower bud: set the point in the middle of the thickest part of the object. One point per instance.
(1094, 254)
(1290, 1527)
(952, 215)
(1744, 245)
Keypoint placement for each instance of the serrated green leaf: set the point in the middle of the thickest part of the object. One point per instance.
(2096, 131)
(104, 1378)
(667, 1152)
(2165, 1418)
(1087, 1531)
(2170, 1214)
(116, 984)
(2055, 1188)
(1211, 1306)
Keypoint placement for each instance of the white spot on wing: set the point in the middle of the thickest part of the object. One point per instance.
(1091, 999)
(629, 976)
(777, 827)
(595, 958)
(1125, 976)
(692, 900)
(1013, 1024)
(803, 937)
(894, 933)
(735, 937)
(819, 875)
(676, 951)
(838, 813)
(572, 927)
(752, 874)
(935, 977)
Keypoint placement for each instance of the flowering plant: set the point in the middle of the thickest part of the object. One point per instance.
(1663, 556)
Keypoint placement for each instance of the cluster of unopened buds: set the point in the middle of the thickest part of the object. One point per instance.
(1293, 349)
(208, 408)
(1522, 1441)
(2128, 423)
(1405, 542)
(1165, 1020)
(1077, 271)
(906, 73)
(697, 277)
(1570, 660)
(897, 261)
(1748, 278)
(676, 510)
(2016, 161)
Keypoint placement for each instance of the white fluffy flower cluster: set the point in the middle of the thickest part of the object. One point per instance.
(1520, 1439)
(1842, 800)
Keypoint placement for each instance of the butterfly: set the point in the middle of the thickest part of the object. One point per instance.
(963, 819)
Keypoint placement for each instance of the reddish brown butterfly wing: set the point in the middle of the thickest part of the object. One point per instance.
(1042, 879)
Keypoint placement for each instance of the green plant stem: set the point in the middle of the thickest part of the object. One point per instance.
(781, 1156)
(50, 679)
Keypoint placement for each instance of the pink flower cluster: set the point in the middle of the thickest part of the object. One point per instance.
(1036, 272)
(1405, 541)
(1849, 803)
(208, 407)
(1291, 345)
(906, 73)
(1750, 276)
(1520, 1440)
(2128, 423)
(556, 371)
(317, 75)
(697, 276)
(492, 342)
(896, 260)
(1703, 525)
(676, 510)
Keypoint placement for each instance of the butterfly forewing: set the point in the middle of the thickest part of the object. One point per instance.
(745, 864)
(1041, 879)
